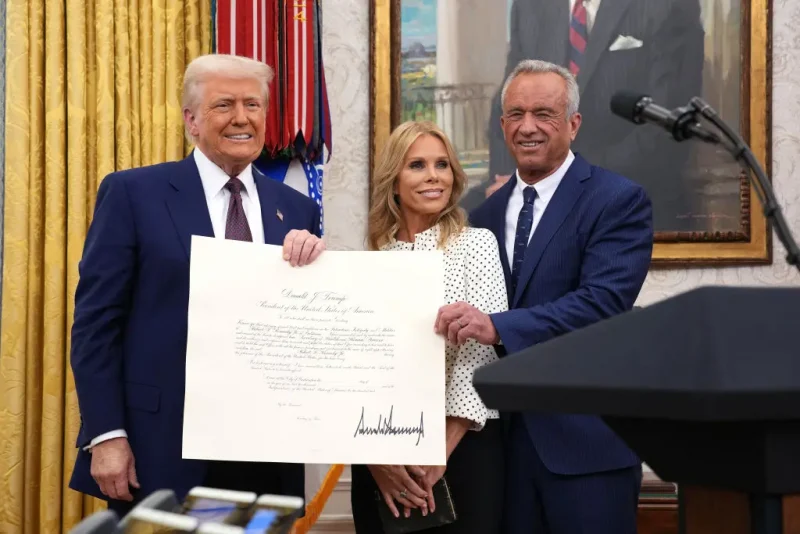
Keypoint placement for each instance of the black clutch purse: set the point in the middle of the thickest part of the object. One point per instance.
(445, 513)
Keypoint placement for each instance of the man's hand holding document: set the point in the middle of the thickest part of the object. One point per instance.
(332, 362)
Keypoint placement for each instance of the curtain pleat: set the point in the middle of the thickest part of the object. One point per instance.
(93, 86)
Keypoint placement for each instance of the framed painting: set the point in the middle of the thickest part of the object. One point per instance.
(446, 61)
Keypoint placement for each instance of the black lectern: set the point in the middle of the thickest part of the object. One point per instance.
(705, 387)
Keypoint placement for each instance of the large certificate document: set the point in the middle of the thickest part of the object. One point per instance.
(333, 362)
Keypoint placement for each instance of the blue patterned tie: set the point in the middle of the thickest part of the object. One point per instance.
(236, 227)
(524, 224)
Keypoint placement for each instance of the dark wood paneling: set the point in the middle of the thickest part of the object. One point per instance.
(710, 510)
(791, 514)
(658, 507)
(706, 511)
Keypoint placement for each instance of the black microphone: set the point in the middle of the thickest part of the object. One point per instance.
(681, 123)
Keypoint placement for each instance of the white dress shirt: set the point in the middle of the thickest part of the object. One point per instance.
(591, 11)
(217, 198)
(473, 274)
(545, 189)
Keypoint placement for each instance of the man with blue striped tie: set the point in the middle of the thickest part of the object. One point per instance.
(575, 242)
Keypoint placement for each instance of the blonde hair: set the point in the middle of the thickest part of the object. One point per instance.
(384, 214)
(223, 65)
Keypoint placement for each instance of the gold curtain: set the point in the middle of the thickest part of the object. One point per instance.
(93, 86)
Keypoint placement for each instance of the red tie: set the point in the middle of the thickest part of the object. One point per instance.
(236, 226)
(578, 35)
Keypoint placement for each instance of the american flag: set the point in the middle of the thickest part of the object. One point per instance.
(287, 36)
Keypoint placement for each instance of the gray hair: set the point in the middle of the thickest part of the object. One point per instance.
(224, 65)
(536, 66)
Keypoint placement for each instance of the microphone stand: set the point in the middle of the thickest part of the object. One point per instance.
(743, 154)
(766, 510)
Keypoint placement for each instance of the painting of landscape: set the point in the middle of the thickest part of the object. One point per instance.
(418, 59)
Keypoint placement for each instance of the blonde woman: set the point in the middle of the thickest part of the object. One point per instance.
(416, 188)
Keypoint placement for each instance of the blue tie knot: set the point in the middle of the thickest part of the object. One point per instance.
(529, 194)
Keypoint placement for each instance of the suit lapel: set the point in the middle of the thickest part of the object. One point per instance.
(497, 224)
(272, 214)
(568, 192)
(608, 18)
(187, 204)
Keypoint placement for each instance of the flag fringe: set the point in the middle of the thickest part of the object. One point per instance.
(317, 504)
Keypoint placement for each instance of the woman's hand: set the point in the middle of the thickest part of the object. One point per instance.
(426, 477)
(300, 247)
(395, 484)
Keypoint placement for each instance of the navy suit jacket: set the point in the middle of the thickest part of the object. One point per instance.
(586, 261)
(129, 334)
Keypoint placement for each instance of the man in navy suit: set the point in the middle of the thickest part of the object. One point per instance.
(131, 304)
(575, 244)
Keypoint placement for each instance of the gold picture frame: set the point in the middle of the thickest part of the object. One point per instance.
(749, 243)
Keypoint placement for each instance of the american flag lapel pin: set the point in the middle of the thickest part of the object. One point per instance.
(279, 214)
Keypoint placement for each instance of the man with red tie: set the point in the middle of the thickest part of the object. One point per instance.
(650, 46)
(129, 336)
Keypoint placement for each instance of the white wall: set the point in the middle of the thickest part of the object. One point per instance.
(346, 39)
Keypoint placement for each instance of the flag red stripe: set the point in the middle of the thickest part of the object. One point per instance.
(223, 26)
(252, 28)
(244, 25)
(292, 75)
(297, 77)
(283, 33)
(300, 78)
(310, 82)
(273, 140)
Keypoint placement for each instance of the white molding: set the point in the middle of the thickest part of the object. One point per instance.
(334, 523)
(344, 484)
(336, 518)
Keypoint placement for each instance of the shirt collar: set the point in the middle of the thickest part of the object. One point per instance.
(427, 240)
(546, 187)
(214, 178)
